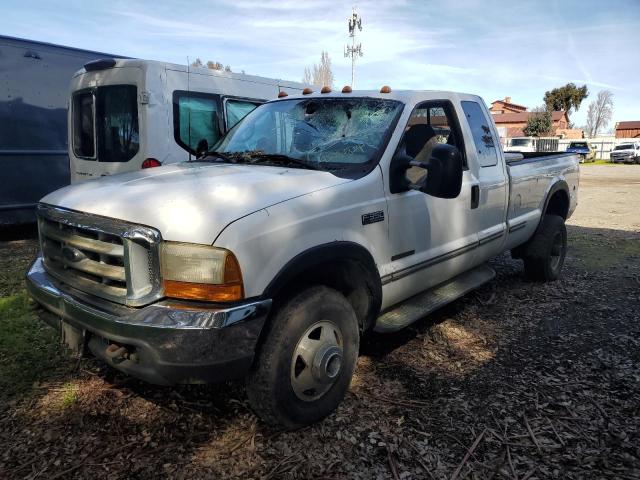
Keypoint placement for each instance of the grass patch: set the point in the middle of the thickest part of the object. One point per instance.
(29, 350)
(600, 162)
(69, 395)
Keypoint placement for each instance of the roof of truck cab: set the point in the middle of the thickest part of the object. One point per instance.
(155, 64)
(405, 96)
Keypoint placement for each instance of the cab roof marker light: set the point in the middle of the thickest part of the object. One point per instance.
(385, 89)
(346, 89)
(283, 94)
(307, 91)
(325, 89)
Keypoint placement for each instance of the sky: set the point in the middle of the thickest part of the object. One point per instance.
(491, 48)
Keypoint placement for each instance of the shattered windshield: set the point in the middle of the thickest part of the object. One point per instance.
(325, 134)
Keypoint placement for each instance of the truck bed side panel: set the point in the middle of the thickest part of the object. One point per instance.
(531, 181)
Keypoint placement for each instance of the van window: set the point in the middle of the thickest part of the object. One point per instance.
(195, 118)
(482, 136)
(83, 138)
(117, 125)
(236, 110)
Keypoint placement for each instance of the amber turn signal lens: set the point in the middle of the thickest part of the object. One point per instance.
(203, 291)
(325, 89)
(307, 91)
(385, 89)
(346, 89)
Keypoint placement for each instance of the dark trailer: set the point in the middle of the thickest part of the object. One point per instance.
(34, 92)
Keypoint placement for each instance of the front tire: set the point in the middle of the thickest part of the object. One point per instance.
(306, 362)
(545, 254)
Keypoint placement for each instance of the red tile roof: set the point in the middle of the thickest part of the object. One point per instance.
(523, 117)
(504, 102)
(628, 125)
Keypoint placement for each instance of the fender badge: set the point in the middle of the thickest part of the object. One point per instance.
(373, 217)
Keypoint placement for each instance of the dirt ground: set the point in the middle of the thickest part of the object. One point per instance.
(517, 380)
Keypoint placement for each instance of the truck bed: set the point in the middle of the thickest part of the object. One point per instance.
(531, 178)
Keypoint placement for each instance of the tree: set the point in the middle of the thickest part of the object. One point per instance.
(211, 65)
(565, 98)
(539, 123)
(599, 113)
(307, 79)
(321, 74)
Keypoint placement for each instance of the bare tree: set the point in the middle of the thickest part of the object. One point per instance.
(321, 74)
(197, 63)
(599, 112)
(307, 79)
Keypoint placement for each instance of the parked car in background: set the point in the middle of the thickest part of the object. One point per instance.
(532, 144)
(585, 151)
(34, 91)
(131, 114)
(626, 153)
(318, 218)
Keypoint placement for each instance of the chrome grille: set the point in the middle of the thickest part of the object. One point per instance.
(114, 260)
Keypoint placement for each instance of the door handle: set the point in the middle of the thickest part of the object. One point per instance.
(475, 196)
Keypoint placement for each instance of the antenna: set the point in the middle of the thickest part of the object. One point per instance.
(189, 100)
(355, 24)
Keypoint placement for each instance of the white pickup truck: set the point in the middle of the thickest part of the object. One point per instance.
(319, 217)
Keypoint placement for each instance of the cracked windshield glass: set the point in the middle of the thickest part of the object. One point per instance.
(324, 134)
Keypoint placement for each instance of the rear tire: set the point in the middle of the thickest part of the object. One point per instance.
(305, 365)
(545, 253)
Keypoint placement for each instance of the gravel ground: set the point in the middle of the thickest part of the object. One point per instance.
(516, 380)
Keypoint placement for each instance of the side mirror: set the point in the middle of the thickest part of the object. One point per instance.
(202, 148)
(443, 172)
(444, 177)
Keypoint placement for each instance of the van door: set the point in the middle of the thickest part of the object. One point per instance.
(432, 239)
(105, 123)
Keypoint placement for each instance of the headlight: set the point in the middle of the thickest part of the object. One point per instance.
(200, 272)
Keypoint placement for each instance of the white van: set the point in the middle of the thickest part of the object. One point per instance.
(532, 144)
(130, 114)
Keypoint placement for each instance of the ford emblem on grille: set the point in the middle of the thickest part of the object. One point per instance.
(72, 254)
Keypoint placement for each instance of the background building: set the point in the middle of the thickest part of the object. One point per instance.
(628, 129)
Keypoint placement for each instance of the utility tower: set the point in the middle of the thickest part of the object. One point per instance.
(354, 50)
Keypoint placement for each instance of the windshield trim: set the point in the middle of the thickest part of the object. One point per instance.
(341, 170)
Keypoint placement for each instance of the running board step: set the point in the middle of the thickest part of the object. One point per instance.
(422, 304)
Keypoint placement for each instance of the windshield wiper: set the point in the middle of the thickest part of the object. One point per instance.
(258, 157)
(212, 156)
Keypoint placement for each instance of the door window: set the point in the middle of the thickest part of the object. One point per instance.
(236, 110)
(430, 124)
(117, 126)
(482, 136)
(83, 118)
(195, 119)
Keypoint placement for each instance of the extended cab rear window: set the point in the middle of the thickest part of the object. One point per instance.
(482, 135)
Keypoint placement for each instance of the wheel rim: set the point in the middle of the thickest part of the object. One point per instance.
(557, 250)
(317, 361)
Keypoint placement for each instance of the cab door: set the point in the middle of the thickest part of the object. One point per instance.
(432, 239)
(490, 193)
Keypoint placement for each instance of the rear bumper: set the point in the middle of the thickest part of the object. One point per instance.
(164, 343)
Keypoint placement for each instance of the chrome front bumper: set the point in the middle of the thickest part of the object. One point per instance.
(163, 343)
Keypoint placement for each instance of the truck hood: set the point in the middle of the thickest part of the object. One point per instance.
(190, 202)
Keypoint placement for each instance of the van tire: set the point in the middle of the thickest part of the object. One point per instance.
(273, 390)
(545, 253)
